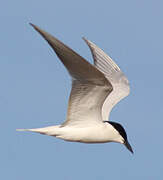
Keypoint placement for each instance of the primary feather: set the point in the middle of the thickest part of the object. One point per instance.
(114, 75)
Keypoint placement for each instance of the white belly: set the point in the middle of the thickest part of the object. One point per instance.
(95, 134)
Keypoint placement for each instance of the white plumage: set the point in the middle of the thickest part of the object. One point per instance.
(95, 90)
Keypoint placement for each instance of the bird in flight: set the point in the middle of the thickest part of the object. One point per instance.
(95, 90)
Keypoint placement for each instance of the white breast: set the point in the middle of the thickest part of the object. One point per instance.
(100, 133)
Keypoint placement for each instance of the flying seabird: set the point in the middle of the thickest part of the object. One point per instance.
(96, 89)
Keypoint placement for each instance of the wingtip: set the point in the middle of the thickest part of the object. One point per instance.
(43, 33)
(34, 26)
(31, 24)
(88, 42)
(85, 39)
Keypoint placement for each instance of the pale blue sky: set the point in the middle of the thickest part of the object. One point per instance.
(34, 88)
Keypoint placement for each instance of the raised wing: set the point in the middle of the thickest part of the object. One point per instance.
(113, 73)
(89, 85)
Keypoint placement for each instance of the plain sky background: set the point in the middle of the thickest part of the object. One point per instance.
(34, 88)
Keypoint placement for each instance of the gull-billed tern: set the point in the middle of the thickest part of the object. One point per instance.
(96, 89)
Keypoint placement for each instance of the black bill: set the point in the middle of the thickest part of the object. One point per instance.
(128, 146)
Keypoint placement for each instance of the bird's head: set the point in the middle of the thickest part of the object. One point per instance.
(119, 128)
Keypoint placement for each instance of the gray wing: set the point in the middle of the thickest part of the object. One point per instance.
(85, 103)
(89, 85)
(113, 73)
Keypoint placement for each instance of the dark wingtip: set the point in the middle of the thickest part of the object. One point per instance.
(84, 38)
(32, 24)
(44, 34)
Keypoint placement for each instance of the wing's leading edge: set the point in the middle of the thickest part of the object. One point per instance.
(89, 86)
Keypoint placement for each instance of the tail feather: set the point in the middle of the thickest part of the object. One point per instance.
(31, 130)
(22, 129)
(51, 130)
